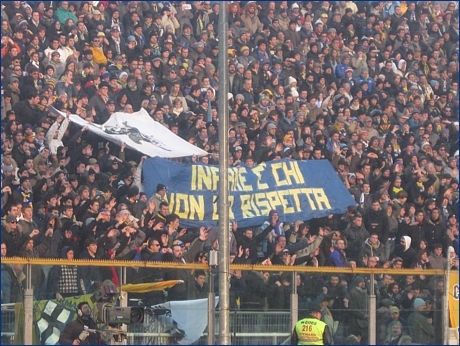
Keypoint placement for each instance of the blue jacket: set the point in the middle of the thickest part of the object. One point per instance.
(369, 81)
(340, 70)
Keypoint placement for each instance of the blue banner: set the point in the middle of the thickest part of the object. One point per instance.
(298, 190)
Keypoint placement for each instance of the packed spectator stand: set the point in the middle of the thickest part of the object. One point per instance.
(370, 86)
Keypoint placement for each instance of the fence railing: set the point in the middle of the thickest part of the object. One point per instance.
(269, 323)
(247, 328)
(8, 324)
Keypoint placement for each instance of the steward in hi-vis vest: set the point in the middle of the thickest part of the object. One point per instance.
(311, 330)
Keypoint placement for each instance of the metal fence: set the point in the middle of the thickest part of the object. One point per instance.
(246, 327)
(272, 326)
(8, 324)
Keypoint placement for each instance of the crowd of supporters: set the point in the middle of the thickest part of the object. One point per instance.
(370, 86)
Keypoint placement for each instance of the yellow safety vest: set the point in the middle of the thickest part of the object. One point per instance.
(310, 331)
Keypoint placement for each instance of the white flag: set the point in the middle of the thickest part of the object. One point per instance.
(191, 316)
(140, 132)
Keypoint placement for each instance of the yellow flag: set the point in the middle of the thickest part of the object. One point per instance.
(148, 287)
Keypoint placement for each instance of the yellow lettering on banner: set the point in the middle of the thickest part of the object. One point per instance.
(295, 194)
(286, 208)
(257, 171)
(273, 199)
(231, 179)
(261, 201)
(215, 210)
(203, 177)
(299, 173)
(254, 205)
(172, 195)
(196, 207)
(290, 171)
(246, 206)
(275, 167)
(194, 178)
(231, 200)
(181, 199)
(321, 198)
(308, 192)
(242, 180)
(215, 178)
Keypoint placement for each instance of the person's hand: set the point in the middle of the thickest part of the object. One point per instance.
(112, 233)
(76, 342)
(143, 158)
(36, 232)
(267, 262)
(84, 128)
(83, 335)
(58, 296)
(345, 302)
(240, 251)
(279, 147)
(152, 206)
(204, 233)
(297, 225)
(99, 216)
(234, 226)
(182, 232)
(7, 189)
(365, 260)
(159, 226)
(49, 232)
(123, 146)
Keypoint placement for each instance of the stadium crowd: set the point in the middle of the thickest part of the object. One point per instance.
(370, 86)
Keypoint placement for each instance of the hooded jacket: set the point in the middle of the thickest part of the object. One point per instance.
(407, 254)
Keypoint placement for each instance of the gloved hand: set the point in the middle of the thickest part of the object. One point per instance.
(83, 335)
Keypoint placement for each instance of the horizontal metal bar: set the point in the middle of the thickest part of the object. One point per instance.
(237, 334)
(245, 267)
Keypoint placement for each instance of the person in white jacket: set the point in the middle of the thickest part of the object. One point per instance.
(56, 132)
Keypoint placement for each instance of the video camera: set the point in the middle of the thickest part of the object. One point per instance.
(112, 315)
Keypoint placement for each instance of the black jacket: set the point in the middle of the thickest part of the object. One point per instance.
(252, 243)
(73, 330)
(377, 222)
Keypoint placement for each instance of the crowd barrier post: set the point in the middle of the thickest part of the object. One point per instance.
(28, 307)
(211, 309)
(445, 302)
(294, 302)
(372, 312)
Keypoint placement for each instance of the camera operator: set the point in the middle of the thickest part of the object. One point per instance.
(76, 332)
